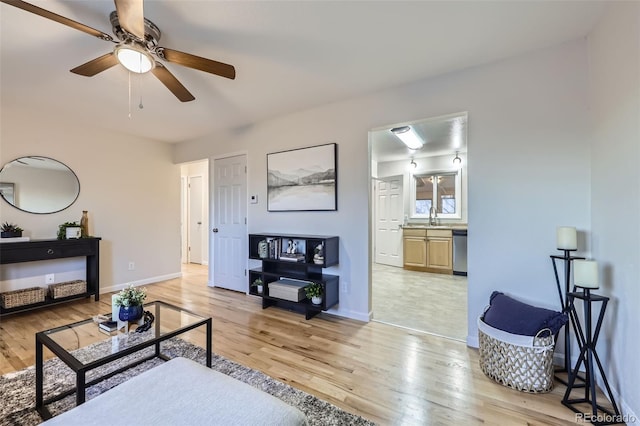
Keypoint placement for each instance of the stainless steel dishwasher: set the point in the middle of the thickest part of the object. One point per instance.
(460, 252)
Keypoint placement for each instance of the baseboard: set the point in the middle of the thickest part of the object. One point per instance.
(472, 341)
(629, 417)
(359, 316)
(151, 280)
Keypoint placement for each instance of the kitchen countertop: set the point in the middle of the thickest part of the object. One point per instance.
(443, 226)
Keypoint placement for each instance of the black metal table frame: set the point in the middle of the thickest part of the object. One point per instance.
(81, 370)
(587, 340)
(564, 302)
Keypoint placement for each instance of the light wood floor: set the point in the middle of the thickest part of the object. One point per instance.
(390, 375)
(435, 303)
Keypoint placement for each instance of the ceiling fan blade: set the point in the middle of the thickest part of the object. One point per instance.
(196, 62)
(57, 18)
(131, 16)
(97, 65)
(172, 83)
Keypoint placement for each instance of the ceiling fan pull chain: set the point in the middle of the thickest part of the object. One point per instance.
(140, 106)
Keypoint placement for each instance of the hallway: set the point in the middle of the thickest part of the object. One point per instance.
(433, 303)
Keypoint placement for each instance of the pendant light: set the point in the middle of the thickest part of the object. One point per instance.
(457, 161)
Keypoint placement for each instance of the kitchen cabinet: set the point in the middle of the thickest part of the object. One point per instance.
(415, 248)
(428, 250)
(440, 250)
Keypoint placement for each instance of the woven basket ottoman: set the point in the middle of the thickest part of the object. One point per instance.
(520, 362)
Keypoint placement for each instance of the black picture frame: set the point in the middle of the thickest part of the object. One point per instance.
(303, 179)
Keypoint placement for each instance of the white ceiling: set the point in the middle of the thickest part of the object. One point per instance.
(443, 135)
(288, 55)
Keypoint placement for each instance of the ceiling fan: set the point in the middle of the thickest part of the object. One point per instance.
(136, 46)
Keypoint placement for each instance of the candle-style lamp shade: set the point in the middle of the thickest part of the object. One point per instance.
(566, 237)
(585, 273)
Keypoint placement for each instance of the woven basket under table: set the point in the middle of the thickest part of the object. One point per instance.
(25, 296)
(69, 288)
(524, 363)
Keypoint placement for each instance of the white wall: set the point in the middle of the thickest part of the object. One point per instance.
(528, 169)
(129, 185)
(614, 53)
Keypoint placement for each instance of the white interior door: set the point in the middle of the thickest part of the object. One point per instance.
(195, 219)
(389, 215)
(229, 205)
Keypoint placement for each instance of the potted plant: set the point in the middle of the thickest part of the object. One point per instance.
(130, 301)
(74, 233)
(258, 285)
(314, 292)
(10, 230)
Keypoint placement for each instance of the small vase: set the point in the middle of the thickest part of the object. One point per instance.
(84, 224)
(263, 249)
(316, 300)
(260, 289)
(130, 313)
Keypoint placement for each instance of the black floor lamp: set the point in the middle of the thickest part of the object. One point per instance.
(586, 278)
(566, 240)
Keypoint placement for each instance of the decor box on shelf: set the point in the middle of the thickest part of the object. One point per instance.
(288, 267)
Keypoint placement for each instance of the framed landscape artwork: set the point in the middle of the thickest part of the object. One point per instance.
(302, 179)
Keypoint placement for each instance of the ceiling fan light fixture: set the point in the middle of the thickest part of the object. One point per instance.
(135, 60)
(408, 136)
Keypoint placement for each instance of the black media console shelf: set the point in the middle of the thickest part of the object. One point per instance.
(31, 251)
(302, 266)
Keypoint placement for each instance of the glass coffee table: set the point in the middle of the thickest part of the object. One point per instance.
(83, 346)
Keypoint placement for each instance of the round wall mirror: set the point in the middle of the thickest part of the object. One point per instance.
(38, 185)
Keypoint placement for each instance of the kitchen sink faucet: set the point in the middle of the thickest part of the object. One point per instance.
(433, 214)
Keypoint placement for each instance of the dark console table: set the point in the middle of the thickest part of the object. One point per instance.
(36, 250)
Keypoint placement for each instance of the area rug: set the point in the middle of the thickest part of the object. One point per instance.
(17, 390)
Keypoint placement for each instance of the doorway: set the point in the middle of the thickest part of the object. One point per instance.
(194, 178)
(424, 301)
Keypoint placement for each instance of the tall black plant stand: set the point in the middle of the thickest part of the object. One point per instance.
(564, 302)
(587, 339)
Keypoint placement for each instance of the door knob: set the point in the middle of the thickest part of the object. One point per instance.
(199, 223)
(215, 229)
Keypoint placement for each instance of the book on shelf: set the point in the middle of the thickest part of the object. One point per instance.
(274, 247)
(292, 257)
(14, 239)
(109, 325)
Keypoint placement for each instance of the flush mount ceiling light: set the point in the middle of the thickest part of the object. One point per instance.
(135, 60)
(408, 136)
(457, 161)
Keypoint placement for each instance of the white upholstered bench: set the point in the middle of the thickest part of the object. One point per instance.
(182, 392)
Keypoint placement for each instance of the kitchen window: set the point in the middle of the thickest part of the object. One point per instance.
(436, 189)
